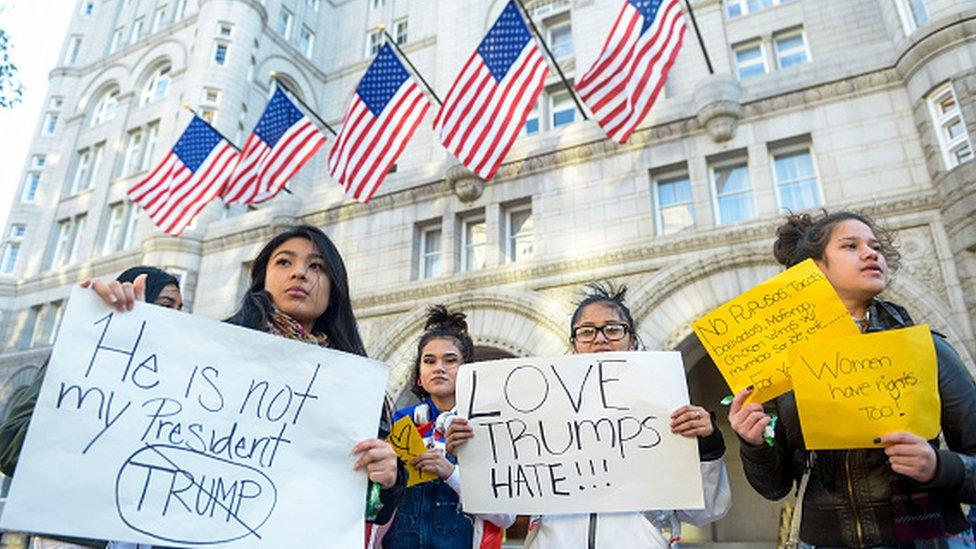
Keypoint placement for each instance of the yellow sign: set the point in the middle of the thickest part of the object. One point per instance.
(408, 444)
(855, 389)
(747, 337)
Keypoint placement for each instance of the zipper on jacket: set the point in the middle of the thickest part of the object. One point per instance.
(850, 492)
(591, 532)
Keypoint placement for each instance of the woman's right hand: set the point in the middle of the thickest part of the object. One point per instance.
(458, 433)
(748, 421)
(121, 296)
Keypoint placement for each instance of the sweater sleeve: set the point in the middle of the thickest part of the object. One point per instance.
(769, 469)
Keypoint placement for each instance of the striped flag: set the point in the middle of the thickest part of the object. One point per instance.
(385, 111)
(489, 102)
(281, 143)
(627, 77)
(190, 176)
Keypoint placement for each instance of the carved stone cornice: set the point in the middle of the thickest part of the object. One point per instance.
(74, 273)
(958, 27)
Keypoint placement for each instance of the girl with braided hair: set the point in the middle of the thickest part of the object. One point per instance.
(429, 515)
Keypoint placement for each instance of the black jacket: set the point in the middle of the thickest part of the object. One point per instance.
(848, 495)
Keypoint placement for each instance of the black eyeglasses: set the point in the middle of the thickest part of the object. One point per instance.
(613, 332)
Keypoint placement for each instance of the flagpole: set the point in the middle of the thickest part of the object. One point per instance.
(413, 68)
(224, 137)
(572, 93)
(701, 43)
(274, 76)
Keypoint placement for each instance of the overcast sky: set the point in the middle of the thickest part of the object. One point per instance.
(36, 29)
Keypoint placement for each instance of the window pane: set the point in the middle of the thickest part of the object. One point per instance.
(799, 196)
(793, 166)
(732, 179)
(677, 218)
(748, 54)
(561, 41)
(919, 12)
(737, 207)
(531, 126)
(474, 245)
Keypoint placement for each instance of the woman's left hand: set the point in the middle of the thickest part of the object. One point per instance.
(379, 460)
(433, 461)
(691, 421)
(911, 455)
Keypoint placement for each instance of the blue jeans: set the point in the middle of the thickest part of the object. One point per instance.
(962, 540)
(429, 517)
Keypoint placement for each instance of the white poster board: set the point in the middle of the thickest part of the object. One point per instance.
(159, 427)
(576, 434)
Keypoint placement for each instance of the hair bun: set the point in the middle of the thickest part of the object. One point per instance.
(788, 237)
(439, 317)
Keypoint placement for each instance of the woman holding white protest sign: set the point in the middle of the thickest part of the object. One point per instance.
(905, 493)
(601, 323)
(429, 515)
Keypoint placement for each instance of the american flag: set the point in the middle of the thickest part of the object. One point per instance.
(385, 111)
(487, 105)
(190, 176)
(627, 77)
(281, 143)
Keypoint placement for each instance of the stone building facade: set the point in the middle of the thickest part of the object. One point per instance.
(863, 104)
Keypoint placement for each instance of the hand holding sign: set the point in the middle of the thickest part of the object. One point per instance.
(748, 336)
(409, 445)
(880, 383)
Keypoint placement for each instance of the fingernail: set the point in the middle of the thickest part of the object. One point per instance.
(749, 388)
(112, 299)
(877, 440)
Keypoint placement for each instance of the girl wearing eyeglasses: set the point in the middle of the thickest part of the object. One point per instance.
(602, 323)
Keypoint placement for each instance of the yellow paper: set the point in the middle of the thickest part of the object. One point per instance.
(748, 336)
(408, 444)
(855, 389)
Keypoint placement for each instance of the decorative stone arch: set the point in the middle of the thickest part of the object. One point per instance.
(520, 323)
(172, 51)
(290, 73)
(666, 304)
(111, 77)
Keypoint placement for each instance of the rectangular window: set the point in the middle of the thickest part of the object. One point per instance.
(30, 187)
(76, 232)
(82, 171)
(114, 229)
(306, 42)
(430, 252)
(62, 246)
(225, 30)
(50, 123)
(116, 40)
(791, 49)
(473, 238)
(532, 122)
(211, 96)
(158, 18)
(56, 103)
(950, 128)
(208, 114)
(56, 313)
(750, 59)
(18, 230)
(38, 161)
(737, 8)
(374, 4)
(374, 39)
(220, 54)
(88, 7)
(74, 48)
(674, 209)
(913, 13)
(152, 137)
(179, 10)
(133, 148)
(400, 30)
(796, 180)
(284, 23)
(29, 329)
(131, 224)
(137, 30)
(313, 5)
(562, 109)
(561, 40)
(99, 155)
(732, 191)
(518, 233)
(10, 253)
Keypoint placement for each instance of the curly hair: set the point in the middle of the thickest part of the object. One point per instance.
(804, 237)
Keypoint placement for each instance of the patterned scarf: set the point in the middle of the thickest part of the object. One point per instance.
(283, 325)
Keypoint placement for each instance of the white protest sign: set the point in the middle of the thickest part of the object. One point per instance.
(158, 427)
(576, 434)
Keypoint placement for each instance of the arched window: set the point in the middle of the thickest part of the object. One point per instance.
(105, 108)
(156, 85)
